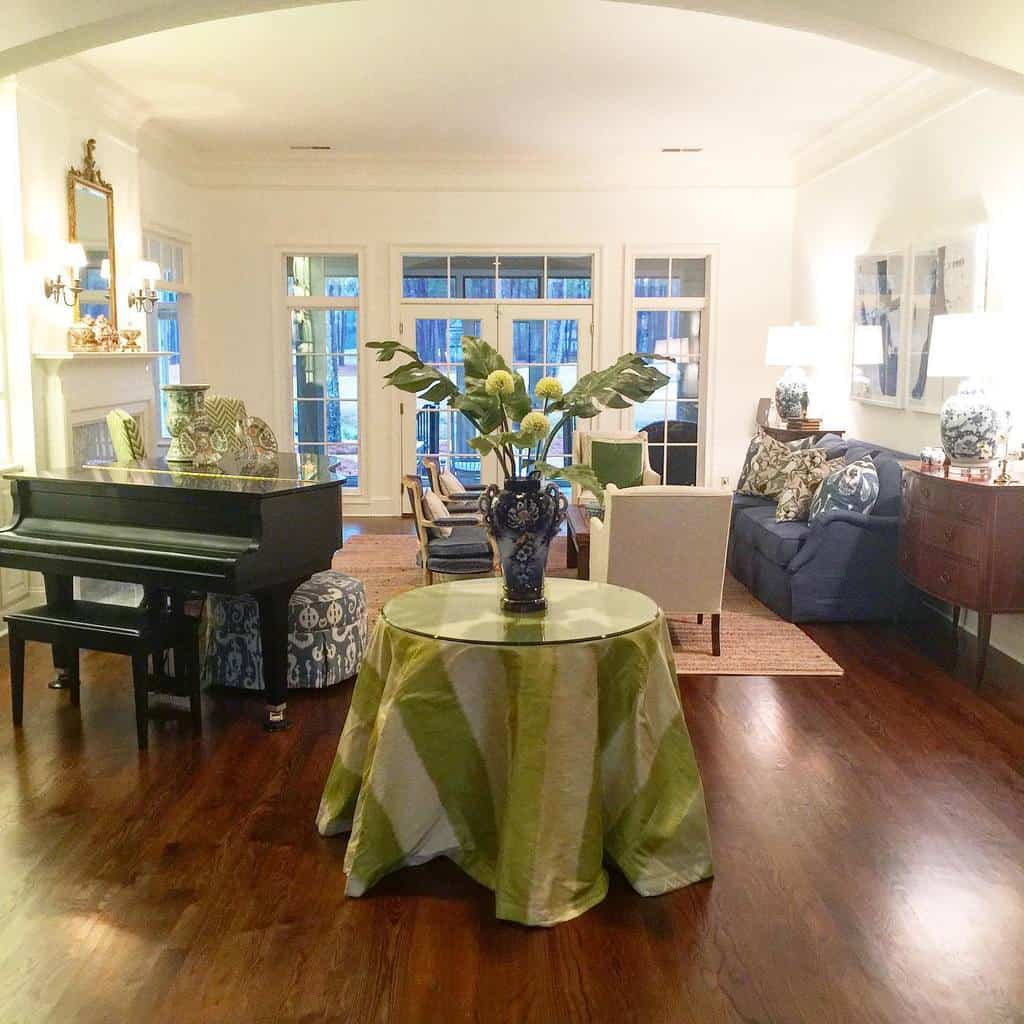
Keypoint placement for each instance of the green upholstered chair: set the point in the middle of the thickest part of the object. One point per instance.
(126, 436)
(616, 456)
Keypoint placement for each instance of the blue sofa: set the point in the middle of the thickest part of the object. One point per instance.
(842, 568)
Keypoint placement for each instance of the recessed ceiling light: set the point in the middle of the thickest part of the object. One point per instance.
(309, 147)
(682, 149)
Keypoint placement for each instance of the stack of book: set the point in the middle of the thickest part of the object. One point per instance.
(803, 424)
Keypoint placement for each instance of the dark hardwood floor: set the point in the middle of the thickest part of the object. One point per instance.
(868, 832)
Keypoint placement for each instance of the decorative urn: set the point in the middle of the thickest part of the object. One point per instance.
(523, 518)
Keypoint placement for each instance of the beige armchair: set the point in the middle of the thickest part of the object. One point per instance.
(581, 440)
(668, 543)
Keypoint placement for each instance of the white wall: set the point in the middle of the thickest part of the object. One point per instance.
(240, 229)
(57, 110)
(962, 168)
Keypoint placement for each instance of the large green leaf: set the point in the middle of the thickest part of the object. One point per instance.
(583, 476)
(480, 359)
(387, 350)
(631, 378)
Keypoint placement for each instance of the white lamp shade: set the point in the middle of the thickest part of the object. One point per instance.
(74, 255)
(966, 344)
(868, 347)
(148, 272)
(792, 345)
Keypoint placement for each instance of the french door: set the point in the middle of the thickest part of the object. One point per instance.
(536, 339)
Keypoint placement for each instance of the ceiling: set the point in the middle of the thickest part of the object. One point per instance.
(982, 40)
(468, 80)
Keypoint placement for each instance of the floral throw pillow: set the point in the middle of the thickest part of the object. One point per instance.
(766, 469)
(805, 471)
(853, 488)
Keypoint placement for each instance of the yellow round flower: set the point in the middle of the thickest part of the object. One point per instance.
(548, 387)
(500, 382)
(535, 423)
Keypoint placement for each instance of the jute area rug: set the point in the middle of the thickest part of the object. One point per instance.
(755, 641)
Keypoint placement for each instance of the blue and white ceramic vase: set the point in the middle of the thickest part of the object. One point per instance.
(969, 426)
(792, 394)
(523, 518)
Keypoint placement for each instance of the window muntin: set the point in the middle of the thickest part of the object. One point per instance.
(171, 256)
(477, 278)
(323, 305)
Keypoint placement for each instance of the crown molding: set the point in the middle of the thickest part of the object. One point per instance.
(924, 95)
(75, 89)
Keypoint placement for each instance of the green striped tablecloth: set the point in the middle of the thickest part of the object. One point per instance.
(524, 764)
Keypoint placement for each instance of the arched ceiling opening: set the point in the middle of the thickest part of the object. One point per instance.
(983, 40)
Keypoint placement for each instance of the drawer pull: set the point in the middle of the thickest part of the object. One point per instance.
(945, 578)
(926, 492)
(948, 533)
(964, 506)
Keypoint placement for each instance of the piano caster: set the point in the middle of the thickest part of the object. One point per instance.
(62, 682)
(276, 721)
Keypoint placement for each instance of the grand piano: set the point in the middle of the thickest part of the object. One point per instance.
(235, 529)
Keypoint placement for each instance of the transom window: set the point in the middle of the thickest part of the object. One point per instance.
(475, 277)
(669, 320)
(323, 306)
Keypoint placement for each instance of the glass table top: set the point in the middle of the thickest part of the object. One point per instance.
(469, 611)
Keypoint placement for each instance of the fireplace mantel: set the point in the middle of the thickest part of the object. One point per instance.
(82, 387)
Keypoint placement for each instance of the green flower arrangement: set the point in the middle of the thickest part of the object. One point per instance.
(494, 398)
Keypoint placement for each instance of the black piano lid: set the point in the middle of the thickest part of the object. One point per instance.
(285, 474)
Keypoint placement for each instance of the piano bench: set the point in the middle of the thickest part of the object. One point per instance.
(93, 626)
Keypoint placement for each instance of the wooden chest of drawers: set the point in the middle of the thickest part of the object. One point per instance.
(962, 541)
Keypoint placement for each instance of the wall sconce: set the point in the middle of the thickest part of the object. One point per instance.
(56, 288)
(144, 300)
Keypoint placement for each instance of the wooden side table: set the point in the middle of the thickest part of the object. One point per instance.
(787, 434)
(577, 547)
(962, 541)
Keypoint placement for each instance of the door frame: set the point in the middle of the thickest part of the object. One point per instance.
(405, 424)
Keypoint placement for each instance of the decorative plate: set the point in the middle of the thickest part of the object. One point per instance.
(258, 436)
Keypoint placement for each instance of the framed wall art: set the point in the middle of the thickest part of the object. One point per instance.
(877, 328)
(947, 277)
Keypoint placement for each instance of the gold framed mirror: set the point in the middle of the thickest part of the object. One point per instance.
(91, 223)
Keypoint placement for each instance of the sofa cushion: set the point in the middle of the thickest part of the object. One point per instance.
(741, 501)
(804, 473)
(778, 542)
(853, 487)
(765, 470)
(890, 486)
(464, 542)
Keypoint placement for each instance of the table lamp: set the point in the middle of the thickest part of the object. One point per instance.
(966, 345)
(793, 346)
(868, 350)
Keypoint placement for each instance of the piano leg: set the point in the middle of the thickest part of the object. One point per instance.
(61, 590)
(273, 603)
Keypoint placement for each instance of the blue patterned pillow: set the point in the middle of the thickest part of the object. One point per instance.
(852, 488)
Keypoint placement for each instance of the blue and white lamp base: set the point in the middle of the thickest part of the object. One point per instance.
(969, 425)
(792, 394)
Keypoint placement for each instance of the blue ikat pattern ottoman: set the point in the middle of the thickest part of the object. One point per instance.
(327, 635)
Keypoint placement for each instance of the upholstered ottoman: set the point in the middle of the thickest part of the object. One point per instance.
(327, 634)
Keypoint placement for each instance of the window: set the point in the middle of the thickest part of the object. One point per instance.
(164, 324)
(323, 307)
(669, 319)
(502, 277)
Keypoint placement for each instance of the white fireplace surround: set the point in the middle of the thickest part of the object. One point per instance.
(80, 388)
